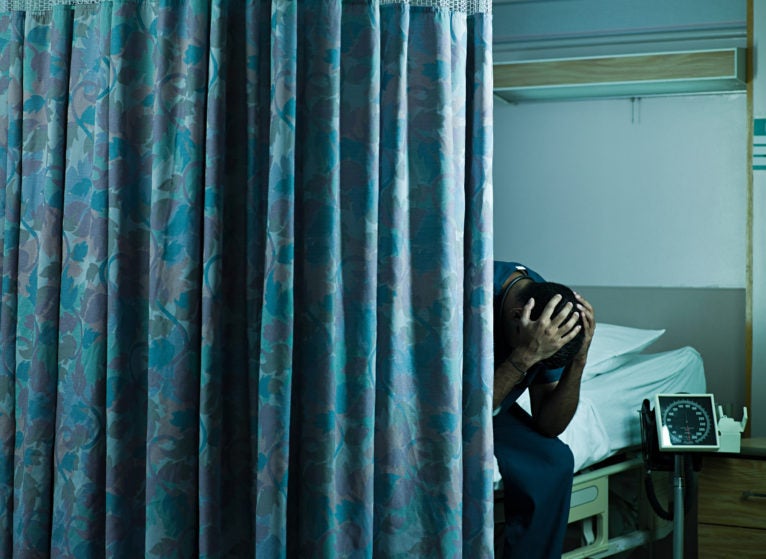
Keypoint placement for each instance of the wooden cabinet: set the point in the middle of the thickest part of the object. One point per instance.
(732, 503)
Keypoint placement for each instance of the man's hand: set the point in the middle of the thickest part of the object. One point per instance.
(589, 323)
(554, 405)
(541, 338)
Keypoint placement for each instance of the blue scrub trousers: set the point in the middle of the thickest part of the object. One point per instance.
(537, 485)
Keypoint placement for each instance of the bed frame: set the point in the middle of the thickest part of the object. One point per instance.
(589, 511)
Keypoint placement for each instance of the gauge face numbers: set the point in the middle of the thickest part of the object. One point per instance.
(687, 422)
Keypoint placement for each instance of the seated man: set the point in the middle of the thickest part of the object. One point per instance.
(542, 334)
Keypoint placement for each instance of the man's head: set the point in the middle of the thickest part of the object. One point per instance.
(542, 293)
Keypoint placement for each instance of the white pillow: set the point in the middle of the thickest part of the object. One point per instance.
(613, 345)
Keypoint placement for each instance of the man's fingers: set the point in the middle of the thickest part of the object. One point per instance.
(588, 318)
(547, 313)
(571, 335)
(571, 323)
(583, 304)
(527, 311)
(561, 317)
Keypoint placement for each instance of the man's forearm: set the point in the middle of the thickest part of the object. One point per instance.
(509, 374)
(560, 404)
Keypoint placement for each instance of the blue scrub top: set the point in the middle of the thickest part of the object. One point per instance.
(537, 374)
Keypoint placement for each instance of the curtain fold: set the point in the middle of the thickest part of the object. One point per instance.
(246, 262)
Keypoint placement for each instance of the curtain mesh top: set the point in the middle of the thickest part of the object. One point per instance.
(464, 6)
(41, 5)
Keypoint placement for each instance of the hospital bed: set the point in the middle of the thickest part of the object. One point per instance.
(605, 438)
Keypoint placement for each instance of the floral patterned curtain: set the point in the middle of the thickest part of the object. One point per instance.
(246, 261)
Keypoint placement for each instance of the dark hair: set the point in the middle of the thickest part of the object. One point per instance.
(542, 293)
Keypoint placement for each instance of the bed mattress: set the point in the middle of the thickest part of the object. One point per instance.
(607, 417)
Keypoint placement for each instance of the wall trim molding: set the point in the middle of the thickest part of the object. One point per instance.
(618, 41)
(631, 75)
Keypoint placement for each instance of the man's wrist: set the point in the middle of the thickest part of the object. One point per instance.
(578, 364)
(580, 360)
(519, 369)
(521, 359)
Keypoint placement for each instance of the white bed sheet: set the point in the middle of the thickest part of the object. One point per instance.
(619, 394)
(607, 418)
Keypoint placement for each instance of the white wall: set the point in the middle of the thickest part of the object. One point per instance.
(649, 193)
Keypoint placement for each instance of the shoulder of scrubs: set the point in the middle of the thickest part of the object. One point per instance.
(504, 269)
(501, 272)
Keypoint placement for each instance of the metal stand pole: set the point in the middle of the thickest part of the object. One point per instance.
(678, 509)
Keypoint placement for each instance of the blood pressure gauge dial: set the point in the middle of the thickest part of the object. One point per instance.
(686, 422)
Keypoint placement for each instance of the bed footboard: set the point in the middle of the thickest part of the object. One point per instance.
(590, 509)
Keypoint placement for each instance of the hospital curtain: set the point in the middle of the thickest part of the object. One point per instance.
(246, 262)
